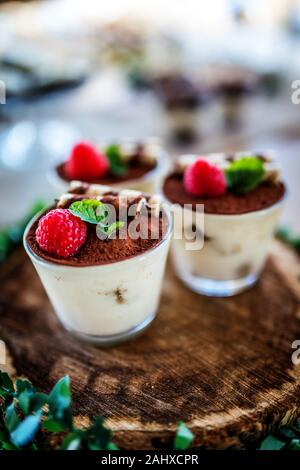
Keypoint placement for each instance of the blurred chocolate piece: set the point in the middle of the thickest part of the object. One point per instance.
(181, 98)
(232, 84)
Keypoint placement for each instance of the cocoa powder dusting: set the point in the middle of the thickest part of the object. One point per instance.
(95, 251)
(135, 171)
(263, 196)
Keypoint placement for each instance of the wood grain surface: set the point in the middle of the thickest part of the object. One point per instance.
(221, 365)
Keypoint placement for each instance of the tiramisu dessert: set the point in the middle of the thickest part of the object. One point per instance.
(131, 165)
(242, 197)
(100, 254)
(232, 84)
(181, 98)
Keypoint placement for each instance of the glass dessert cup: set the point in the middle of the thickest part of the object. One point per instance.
(109, 303)
(233, 254)
(233, 108)
(182, 123)
(149, 182)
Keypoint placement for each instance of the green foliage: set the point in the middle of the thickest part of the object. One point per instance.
(11, 236)
(95, 212)
(272, 442)
(286, 438)
(117, 166)
(89, 210)
(25, 413)
(289, 237)
(183, 438)
(244, 174)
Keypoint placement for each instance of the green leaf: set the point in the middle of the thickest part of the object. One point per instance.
(72, 441)
(89, 210)
(37, 401)
(26, 430)
(12, 235)
(117, 165)
(244, 174)
(286, 235)
(22, 385)
(60, 402)
(33, 446)
(183, 438)
(112, 446)
(60, 395)
(52, 425)
(288, 433)
(98, 437)
(109, 230)
(24, 402)
(5, 244)
(6, 383)
(272, 442)
(3, 435)
(11, 418)
(30, 401)
(74, 444)
(9, 446)
(294, 445)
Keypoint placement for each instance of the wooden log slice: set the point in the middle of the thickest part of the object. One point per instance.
(221, 365)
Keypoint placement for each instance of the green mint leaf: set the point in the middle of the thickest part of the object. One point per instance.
(89, 210)
(272, 442)
(25, 432)
(109, 230)
(117, 166)
(244, 174)
(183, 438)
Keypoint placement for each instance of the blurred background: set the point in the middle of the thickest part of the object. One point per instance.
(203, 76)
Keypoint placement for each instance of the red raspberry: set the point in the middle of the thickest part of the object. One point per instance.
(86, 163)
(204, 179)
(60, 233)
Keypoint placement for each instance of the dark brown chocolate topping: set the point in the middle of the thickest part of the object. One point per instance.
(136, 169)
(265, 195)
(231, 81)
(177, 91)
